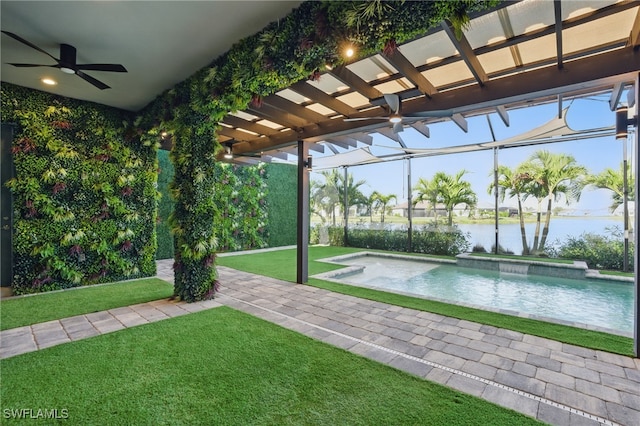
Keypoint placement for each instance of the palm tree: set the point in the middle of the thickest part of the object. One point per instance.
(326, 195)
(513, 183)
(614, 181)
(381, 202)
(551, 177)
(448, 190)
(355, 197)
(427, 191)
(452, 190)
(370, 203)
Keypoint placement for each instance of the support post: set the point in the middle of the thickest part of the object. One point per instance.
(345, 206)
(495, 191)
(495, 187)
(302, 261)
(409, 207)
(636, 227)
(625, 205)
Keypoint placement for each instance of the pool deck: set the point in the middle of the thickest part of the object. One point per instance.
(554, 382)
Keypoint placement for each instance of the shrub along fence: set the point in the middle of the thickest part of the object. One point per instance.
(599, 251)
(427, 240)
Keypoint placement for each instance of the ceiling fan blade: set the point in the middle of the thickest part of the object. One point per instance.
(427, 114)
(398, 127)
(102, 67)
(34, 65)
(31, 45)
(393, 101)
(100, 85)
(366, 118)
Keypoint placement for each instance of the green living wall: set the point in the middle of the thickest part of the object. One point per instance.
(165, 206)
(255, 206)
(84, 192)
(282, 196)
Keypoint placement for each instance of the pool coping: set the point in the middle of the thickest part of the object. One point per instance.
(333, 276)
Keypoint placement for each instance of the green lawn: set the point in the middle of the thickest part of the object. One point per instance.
(221, 366)
(17, 312)
(281, 264)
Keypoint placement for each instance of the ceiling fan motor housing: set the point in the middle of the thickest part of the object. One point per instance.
(67, 58)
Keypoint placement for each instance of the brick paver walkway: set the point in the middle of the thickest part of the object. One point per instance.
(554, 382)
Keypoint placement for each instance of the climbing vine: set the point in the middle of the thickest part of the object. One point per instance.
(296, 47)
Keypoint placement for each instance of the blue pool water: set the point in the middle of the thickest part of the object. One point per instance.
(598, 303)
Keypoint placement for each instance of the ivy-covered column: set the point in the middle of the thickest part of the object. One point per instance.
(192, 221)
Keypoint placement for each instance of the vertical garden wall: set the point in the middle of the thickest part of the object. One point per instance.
(282, 199)
(84, 192)
(255, 206)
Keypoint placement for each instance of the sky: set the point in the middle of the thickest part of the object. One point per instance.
(584, 113)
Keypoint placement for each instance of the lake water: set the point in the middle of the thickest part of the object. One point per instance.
(561, 228)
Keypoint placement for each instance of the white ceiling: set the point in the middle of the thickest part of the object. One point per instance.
(159, 42)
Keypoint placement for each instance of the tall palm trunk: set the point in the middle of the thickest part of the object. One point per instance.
(450, 220)
(536, 233)
(547, 221)
(523, 234)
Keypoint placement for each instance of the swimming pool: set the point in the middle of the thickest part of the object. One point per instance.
(586, 302)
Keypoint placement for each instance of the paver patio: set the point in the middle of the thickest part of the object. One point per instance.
(554, 382)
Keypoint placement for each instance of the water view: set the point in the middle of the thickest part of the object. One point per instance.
(561, 229)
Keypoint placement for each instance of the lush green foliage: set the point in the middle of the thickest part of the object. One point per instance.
(165, 206)
(599, 251)
(547, 177)
(292, 49)
(613, 180)
(84, 193)
(192, 220)
(427, 240)
(281, 204)
(21, 311)
(231, 369)
(448, 190)
(241, 210)
(267, 190)
(325, 196)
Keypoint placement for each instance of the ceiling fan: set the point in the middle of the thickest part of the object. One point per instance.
(67, 62)
(396, 117)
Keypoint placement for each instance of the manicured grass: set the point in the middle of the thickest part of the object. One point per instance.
(531, 258)
(281, 264)
(221, 366)
(17, 312)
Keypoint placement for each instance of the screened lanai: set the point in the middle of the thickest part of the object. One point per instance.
(514, 56)
(519, 53)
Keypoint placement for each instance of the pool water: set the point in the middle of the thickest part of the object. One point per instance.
(599, 303)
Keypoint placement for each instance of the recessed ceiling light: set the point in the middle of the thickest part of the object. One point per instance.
(49, 81)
